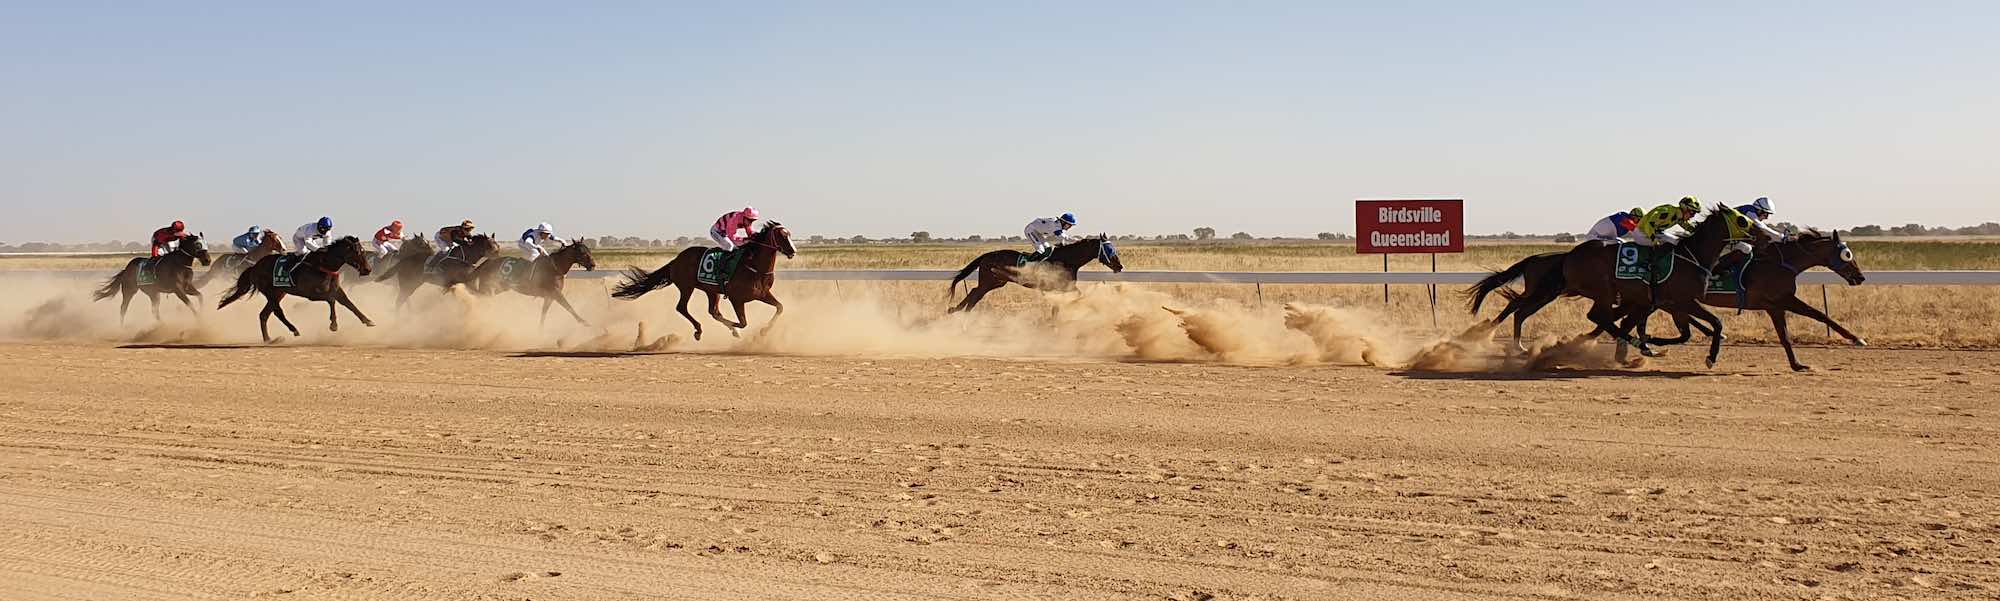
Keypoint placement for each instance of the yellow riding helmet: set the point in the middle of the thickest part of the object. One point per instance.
(1690, 204)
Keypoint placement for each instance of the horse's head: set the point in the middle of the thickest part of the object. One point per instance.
(1834, 254)
(418, 246)
(1108, 254)
(479, 247)
(192, 245)
(348, 251)
(777, 236)
(578, 253)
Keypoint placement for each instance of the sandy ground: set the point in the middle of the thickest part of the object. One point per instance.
(368, 473)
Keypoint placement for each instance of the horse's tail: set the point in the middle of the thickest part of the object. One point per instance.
(1475, 296)
(962, 274)
(111, 287)
(638, 282)
(245, 282)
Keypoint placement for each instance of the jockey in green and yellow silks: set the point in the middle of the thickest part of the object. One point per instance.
(1653, 227)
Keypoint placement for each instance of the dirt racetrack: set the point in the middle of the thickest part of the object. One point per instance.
(199, 473)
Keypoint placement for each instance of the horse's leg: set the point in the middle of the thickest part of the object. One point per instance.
(715, 313)
(124, 303)
(973, 297)
(264, 318)
(563, 300)
(545, 312)
(768, 299)
(741, 320)
(1715, 339)
(1529, 307)
(278, 309)
(1795, 305)
(1785, 339)
(341, 296)
(1681, 322)
(687, 292)
(154, 296)
(190, 304)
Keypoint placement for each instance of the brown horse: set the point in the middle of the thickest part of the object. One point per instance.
(171, 272)
(1770, 283)
(1620, 306)
(998, 268)
(316, 276)
(227, 266)
(541, 278)
(750, 281)
(454, 268)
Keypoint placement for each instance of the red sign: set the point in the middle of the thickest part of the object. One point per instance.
(1409, 226)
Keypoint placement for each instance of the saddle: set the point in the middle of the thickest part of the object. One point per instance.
(1637, 262)
(1034, 257)
(1730, 281)
(145, 275)
(717, 266)
(284, 268)
(514, 269)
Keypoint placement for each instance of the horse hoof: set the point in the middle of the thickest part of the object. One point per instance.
(368, 323)
(1710, 362)
(697, 334)
(1860, 342)
(333, 327)
(1801, 367)
(733, 333)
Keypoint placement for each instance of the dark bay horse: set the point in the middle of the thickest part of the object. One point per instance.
(227, 266)
(171, 272)
(998, 268)
(316, 277)
(751, 281)
(454, 268)
(1770, 284)
(541, 278)
(1620, 306)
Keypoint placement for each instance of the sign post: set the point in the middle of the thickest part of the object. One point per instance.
(1409, 226)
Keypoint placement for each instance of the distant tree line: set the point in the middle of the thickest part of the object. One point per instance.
(925, 237)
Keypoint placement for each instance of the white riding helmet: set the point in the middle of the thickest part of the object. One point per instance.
(543, 227)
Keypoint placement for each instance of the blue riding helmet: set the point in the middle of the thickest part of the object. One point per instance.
(1069, 218)
(256, 229)
(325, 223)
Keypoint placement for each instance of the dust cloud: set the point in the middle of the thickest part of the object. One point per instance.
(1095, 321)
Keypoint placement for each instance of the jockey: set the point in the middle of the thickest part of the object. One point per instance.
(1754, 214)
(313, 236)
(389, 239)
(1616, 226)
(1759, 211)
(725, 228)
(250, 240)
(1654, 225)
(531, 240)
(1045, 233)
(450, 237)
(168, 238)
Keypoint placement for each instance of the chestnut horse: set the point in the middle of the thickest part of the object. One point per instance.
(751, 281)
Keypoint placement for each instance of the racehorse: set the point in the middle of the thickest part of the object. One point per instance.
(171, 272)
(541, 278)
(750, 281)
(1770, 283)
(413, 246)
(411, 268)
(998, 268)
(227, 266)
(1587, 269)
(316, 276)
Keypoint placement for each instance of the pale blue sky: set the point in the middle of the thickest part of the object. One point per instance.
(879, 118)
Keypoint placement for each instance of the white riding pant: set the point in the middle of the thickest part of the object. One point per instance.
(1604, 230)
(535, 251)
(308, 244)
(722, 240)
(387, 247)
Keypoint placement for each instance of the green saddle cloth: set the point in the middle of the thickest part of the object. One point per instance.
(716, 266)
(1633, 264)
